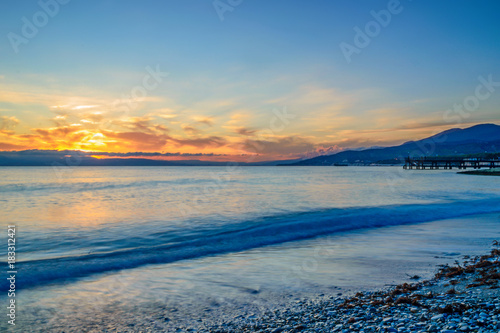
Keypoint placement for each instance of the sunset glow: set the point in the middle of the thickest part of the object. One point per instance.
(306, 100)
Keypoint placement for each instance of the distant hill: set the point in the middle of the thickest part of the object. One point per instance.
(78, 158)
(484, 138)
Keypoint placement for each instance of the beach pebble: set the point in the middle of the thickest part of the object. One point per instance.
(437, 317)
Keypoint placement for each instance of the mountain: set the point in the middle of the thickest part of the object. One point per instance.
(484, 138)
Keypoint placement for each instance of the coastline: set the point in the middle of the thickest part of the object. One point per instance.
(486, 172)
(463, 297)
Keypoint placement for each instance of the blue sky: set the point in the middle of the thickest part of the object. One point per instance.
(227, 76)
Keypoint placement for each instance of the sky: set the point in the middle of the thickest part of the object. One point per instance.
(229, 79)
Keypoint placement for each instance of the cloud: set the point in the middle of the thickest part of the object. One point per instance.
(60, 120)
(167, 116)
(212, 141)
(204, 120)
(132, 133)
(11, 146)
(8, 123)
(327, 120)
(56, 132)
(11, 156)
(245, 131)
(37, 95)
(281, 146)
(424, 125)
(141, 124)
(94, 117)
(329, 150)
(238, 118)
(161, 128)
(324, 149)
(127, 140)
(79, 107)
(164, 113)
(190, 129)
(150, 154)
(65, 137)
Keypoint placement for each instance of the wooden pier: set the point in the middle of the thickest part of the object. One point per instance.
(433, 163)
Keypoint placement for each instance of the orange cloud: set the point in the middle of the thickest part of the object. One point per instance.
(11, 146)
(133, 140)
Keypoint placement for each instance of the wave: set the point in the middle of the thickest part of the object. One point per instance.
(73, 187)
(268, 230)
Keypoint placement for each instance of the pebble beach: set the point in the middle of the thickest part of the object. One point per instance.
(463, 297)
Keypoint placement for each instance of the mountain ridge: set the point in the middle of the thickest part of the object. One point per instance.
(482, 138)
(77, 158)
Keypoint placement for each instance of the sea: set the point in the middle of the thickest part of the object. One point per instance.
(134, 249)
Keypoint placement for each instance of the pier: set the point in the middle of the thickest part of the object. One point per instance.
(432, 163)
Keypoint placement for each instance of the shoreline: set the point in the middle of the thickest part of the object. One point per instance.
(383, 258)
(464, 297)
(486, 172)
(378, 259)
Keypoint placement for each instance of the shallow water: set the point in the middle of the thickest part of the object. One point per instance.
(128, 247)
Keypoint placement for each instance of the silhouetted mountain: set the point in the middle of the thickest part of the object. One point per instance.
(78, 158)
(484, 138)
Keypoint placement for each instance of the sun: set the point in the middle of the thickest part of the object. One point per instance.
(93, 141)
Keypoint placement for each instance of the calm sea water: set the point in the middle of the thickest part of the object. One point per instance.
(159, 248)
